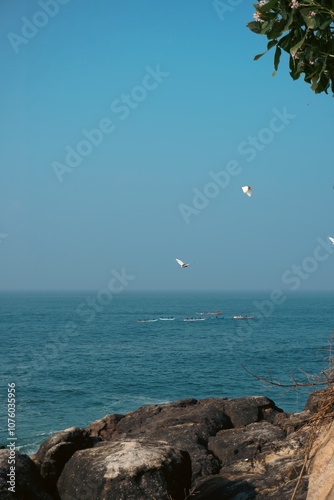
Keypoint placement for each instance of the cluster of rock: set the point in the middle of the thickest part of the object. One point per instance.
(215, 448)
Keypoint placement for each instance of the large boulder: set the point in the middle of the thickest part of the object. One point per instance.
(244, 443)
(53, 454)
(126, 470)
(188, 424)
(267, 476)
(291, 422)
(257, 461)
(185, 424)
(27, 482)
(247, 410)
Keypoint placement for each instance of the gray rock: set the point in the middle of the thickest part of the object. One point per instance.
(315, 400)
(28, 483)
(188, 424)
(253, 480)
(243, 443)
(291, 422)
(185, 425)
(245, 411)
(221, 488)
(126, 470)
(56, 451)
(105, 428)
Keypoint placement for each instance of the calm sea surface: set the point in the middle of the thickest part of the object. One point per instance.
(75, 361)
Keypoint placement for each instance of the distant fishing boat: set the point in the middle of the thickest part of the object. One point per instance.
(167, 319)
(210, 313)
(194, 319)
(243, 317)
(146, 320)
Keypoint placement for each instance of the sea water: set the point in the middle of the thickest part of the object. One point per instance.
(75, 359)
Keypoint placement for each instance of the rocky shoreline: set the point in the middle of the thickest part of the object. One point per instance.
(210, 449)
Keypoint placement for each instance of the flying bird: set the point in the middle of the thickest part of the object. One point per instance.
(182, 264)
(332, 239)
(247, 190)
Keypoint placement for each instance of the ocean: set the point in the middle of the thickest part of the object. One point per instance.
(77, 356)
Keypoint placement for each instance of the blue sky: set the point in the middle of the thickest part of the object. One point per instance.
(193, 100)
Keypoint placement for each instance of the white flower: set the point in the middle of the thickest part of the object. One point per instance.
(256, 16)
(311, 14)
(295, 4)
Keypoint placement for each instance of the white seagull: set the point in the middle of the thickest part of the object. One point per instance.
(247, 190)
(332, 239)
(182, 264)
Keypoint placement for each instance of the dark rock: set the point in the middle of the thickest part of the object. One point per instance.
(28, 483)
(56, 451)
(291, 422)
(55, 459)
(314, 400)
(238, 449)
(220, 488)
(252, 479)
(285, 491)
(126, 470)
(245, 411)
(188, 424)
(245, 443)
(185, 425)
(105, 428)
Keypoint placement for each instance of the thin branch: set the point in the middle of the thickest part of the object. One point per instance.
(279, 384)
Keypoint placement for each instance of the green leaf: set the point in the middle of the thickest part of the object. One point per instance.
(288, 24)
(285, 42)
(326, 23)
(298, 45)
(277, 57)
(311, 22)
(323, 84)
(267, 27)
(277, 29)
(271, 44)
(255, 26)
(295, 70)
(315, 83)
(264, 26)
(259, 55)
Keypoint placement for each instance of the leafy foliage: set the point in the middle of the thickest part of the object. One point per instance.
(304, 29)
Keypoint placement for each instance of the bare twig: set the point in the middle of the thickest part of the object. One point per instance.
(325, 408)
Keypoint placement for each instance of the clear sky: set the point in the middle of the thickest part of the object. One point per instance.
(175, 93)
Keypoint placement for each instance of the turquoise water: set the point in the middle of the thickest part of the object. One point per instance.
(74, 362)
